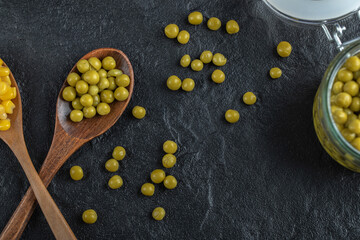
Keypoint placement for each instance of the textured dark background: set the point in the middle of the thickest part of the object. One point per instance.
(265, 177)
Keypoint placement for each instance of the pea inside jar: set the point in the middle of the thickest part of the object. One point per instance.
(93, 86)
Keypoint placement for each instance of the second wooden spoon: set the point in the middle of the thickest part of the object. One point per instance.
(68, 137)
(14, 138)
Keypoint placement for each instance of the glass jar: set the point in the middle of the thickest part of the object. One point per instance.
(326, 14)
(329, 135)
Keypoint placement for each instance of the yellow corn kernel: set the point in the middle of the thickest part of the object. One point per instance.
(14, 92)
(4, 88)
(5, 124)
(6, 79)
(2, 109)
(4, 71)
(3, 116)
(11, 94)
(9, 106)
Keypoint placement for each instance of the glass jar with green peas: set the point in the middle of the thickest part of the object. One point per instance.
(336, 125)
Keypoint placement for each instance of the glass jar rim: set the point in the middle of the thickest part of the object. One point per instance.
(305, 21)
(326, 87)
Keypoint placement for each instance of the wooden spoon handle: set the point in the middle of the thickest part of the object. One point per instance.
(18, 221)
(55, 219)
(60, 150)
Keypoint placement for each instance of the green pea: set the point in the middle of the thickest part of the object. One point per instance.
(91, 77)
(112, 84)
(103, 109)
(81, 87)
(115, 182)
(93, 90)
(89, 112)
(119, 153)
(109, 63)
(123, 80)
(112, 165)
(96, 100)
(103, 84)
(95, 63)
(69, 94)
(86, 100)
(114, 73)
(76, 115)
(102, 73)
(107, 96)
(121, 94)
(72, 78)
(83, 66)
(76, 104)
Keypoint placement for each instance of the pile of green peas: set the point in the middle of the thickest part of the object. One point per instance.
(112, 165)
(172, 31)
(196, 18)
(159, 176)
(174, 83)
(206, 56)
(284, 49)
(99, 85)
(249, 98)
(214, 24)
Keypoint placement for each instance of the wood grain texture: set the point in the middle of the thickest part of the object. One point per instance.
(68, 137)
(14, 138)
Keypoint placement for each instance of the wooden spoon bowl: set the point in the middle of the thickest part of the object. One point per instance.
(16, 116)
(68, 137)
(99, 124)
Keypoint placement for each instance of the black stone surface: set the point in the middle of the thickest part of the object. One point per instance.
(265, 177)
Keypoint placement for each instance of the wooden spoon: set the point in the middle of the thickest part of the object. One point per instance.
(68, 137)
(14, 138)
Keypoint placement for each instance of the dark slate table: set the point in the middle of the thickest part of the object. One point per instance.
(265, 177)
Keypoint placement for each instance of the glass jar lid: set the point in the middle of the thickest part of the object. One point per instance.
(314, 11)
